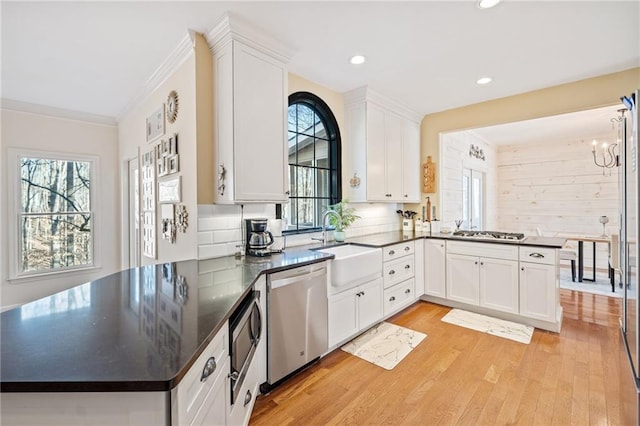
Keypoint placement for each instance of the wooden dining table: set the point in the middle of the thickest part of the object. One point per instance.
(581, 239)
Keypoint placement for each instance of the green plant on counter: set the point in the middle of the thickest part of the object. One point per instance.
(345, 214)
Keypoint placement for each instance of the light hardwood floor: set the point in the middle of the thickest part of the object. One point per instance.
(460, 376)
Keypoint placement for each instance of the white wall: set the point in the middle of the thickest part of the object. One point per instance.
(132, 140)
(38, 131)
(454, 153)
(554, 185)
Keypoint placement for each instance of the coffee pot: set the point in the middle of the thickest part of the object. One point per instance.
(258, 239)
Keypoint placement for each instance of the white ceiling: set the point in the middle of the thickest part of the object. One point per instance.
(95, 56)
(584, 125)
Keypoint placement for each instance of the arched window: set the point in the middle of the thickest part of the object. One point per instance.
(314, 162)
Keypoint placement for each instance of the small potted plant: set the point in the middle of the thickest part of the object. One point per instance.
(343, 218)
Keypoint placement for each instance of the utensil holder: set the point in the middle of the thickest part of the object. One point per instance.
(407, 224)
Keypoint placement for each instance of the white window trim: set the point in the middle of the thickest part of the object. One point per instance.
(13, 185)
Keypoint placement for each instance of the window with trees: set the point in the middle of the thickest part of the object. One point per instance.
(314, 162)
(55, 213)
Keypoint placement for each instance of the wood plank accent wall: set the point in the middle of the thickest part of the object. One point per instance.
(556, 186)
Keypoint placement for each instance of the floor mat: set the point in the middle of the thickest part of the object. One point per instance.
(494, 326)
(385, 344)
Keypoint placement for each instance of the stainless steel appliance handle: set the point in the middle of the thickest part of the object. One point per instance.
(296, 279)
(255, 334)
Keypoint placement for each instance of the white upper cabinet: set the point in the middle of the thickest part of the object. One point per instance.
(250, 112)
(383, 149)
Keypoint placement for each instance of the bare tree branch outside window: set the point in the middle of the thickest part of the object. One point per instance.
(55, 214)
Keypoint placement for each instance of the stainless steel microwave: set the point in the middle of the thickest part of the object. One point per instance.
(245, 330)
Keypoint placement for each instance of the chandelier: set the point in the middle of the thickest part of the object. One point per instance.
(606, 157)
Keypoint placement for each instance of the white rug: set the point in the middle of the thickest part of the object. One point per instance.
(494, 326)
(601, 286)
(385, 344)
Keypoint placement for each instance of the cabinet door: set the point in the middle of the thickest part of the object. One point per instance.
(343, 320)
(499, 284)
(393, 132)
(463, 278)
(434, 268)
(260, 105)
(418, 256)
(369, 304)
(411, 162)
(538, 291)
(213, 410)
(376, 161)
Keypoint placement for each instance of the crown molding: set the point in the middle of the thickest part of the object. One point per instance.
(168, 67)
(49, 111)
(364, 93)
(231, 28)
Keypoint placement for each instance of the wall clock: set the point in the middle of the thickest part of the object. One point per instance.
(172, 106)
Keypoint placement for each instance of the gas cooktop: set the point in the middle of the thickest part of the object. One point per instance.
(491, 235)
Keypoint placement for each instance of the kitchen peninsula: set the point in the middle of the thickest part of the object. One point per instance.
(120, 346)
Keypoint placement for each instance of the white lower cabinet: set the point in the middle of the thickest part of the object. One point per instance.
(240, 411)
(354, 310)
(434, 268)
(205, 385)
(499, 284)
(463, 280)
(213, 410)
(399, 296)
(489, 281)
(539, 298)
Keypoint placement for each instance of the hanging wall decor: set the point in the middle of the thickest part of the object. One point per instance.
(182, 218)
(429, 176)
(172, 106)
(168, 223)
(155, 124)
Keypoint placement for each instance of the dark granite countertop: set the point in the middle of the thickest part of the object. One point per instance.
(389, 238)
(141, 329)
(136, 330)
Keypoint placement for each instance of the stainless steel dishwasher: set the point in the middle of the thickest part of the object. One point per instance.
(296, 319)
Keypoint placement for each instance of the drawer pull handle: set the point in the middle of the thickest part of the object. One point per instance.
(407, 266)
(407, 291)
(536, 255)
(209, 368)
(392, 252)
(392, 298)
(407, 248)
(522, 269)
(391, 272)
(247, 398)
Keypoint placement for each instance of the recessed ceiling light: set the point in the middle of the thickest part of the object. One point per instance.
(484, 80)
(357, 60)
(487, 4)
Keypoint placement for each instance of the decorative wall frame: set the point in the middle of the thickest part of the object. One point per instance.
(155, 124)
(168, 223)
(172, 106)
(169, 190)
(173, 165)
(148, 203)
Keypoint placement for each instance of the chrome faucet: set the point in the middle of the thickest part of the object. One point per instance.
(324, 225)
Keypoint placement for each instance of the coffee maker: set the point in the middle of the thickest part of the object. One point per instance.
(258, 239)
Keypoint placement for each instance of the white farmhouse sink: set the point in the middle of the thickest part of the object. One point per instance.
(354, 265)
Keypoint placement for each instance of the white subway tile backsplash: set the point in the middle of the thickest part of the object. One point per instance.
(213, 223)
(212, 250)
(205, 237)
(227, 235)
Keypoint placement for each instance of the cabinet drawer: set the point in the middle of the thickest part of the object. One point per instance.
(240, 411)
(194, 388)
(398, 250)
(542, 255)
(399, 296)
(398, 270)
(496, 251)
